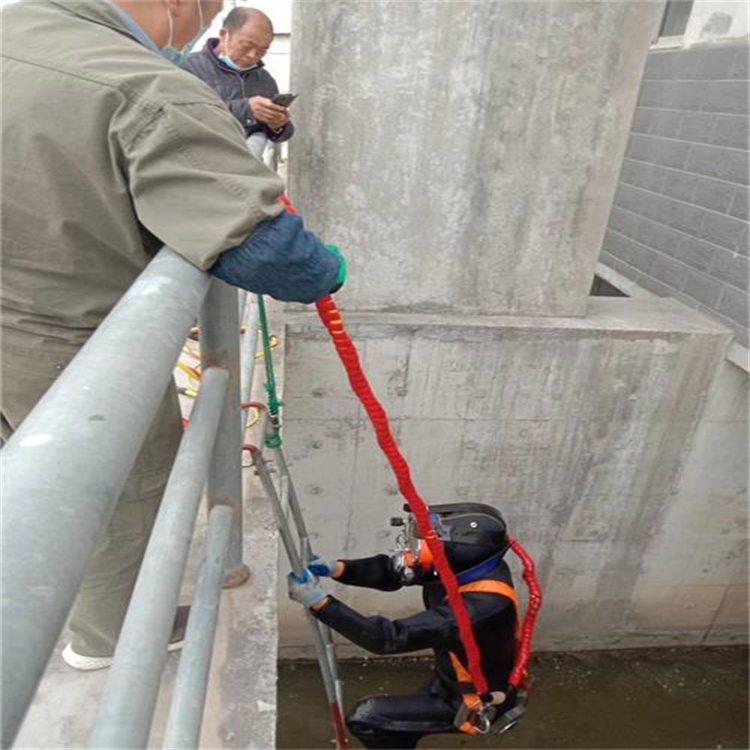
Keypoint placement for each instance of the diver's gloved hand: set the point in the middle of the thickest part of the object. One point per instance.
(321, 567)
(305, 590)
(342, 271)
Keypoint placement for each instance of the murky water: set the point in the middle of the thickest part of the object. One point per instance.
(666, 698)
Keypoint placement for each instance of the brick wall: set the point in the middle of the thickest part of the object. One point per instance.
(679, 223)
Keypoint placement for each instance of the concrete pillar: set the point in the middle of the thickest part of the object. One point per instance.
(464, 154)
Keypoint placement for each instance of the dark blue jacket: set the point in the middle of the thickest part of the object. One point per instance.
(235, 88)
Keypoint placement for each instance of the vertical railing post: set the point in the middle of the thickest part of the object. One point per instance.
(256, 145)
(189, 701)
(272, 155)
(220, 347)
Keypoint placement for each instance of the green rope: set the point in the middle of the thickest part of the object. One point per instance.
(273, 438)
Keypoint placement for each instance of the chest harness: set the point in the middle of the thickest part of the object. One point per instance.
(475, 715)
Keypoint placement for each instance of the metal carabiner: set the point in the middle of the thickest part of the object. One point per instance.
(483, 723)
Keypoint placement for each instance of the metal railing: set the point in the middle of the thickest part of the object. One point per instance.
(64, 469)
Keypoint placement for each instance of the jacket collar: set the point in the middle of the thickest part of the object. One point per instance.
(210, 52)
(483, 570)
(104, 13)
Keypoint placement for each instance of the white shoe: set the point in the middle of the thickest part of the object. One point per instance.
(85, 663)
(90, 663)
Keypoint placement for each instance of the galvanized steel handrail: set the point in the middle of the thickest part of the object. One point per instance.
(186, 714)
(67, 464)
(127, 705)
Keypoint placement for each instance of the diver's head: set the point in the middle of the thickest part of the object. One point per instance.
(471, 533)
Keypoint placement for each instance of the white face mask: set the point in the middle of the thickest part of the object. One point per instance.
(178, 56)
(233, 65)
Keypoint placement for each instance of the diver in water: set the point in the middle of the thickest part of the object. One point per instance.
(475, 541)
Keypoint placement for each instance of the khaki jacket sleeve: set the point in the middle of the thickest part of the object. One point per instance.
(195, 185)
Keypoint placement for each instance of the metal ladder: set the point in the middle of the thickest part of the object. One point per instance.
(272, 469)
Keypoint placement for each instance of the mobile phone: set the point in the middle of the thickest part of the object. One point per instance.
(284, 100)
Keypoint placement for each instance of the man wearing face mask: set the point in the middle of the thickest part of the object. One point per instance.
(475, 540)
(109, 152)
(232, 65)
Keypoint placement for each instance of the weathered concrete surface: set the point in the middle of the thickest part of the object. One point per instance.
(241, 706)
(578, 429)
(464, 154)
(703, 543)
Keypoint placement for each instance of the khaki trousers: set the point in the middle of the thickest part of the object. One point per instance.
(99, 610)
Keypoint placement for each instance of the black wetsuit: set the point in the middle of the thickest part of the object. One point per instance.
(400, 721)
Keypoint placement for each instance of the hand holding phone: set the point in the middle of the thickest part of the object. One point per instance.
(275, 116)
(284, 100)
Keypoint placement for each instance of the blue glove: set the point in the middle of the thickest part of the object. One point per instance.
(321, 567)
(306, 590)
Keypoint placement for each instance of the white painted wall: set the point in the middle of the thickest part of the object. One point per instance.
(717, 20)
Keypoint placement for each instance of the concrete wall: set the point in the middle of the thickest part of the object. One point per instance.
(679, 224)
(576, 430)
(585, 430)
(696, 572)
(464, 155)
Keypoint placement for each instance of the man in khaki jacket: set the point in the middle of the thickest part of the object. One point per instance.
(109, 152)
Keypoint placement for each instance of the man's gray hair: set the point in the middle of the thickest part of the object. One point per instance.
(238, 17)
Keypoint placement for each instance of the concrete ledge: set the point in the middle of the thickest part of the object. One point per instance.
(624, 314)
(737, 354)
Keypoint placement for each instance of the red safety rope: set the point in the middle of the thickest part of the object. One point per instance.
(331, 318)
(518, 673)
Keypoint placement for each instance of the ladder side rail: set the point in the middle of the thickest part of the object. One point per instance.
(306, 553)
(294, 506)
(295, 560)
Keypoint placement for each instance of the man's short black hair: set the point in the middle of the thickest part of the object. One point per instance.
(238, 17)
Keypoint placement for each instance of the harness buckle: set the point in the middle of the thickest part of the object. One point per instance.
(469, 714)
(479, 715)
(490, 718)
(509, 718)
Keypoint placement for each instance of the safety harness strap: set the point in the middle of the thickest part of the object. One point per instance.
(472, 703)
(488, 586)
